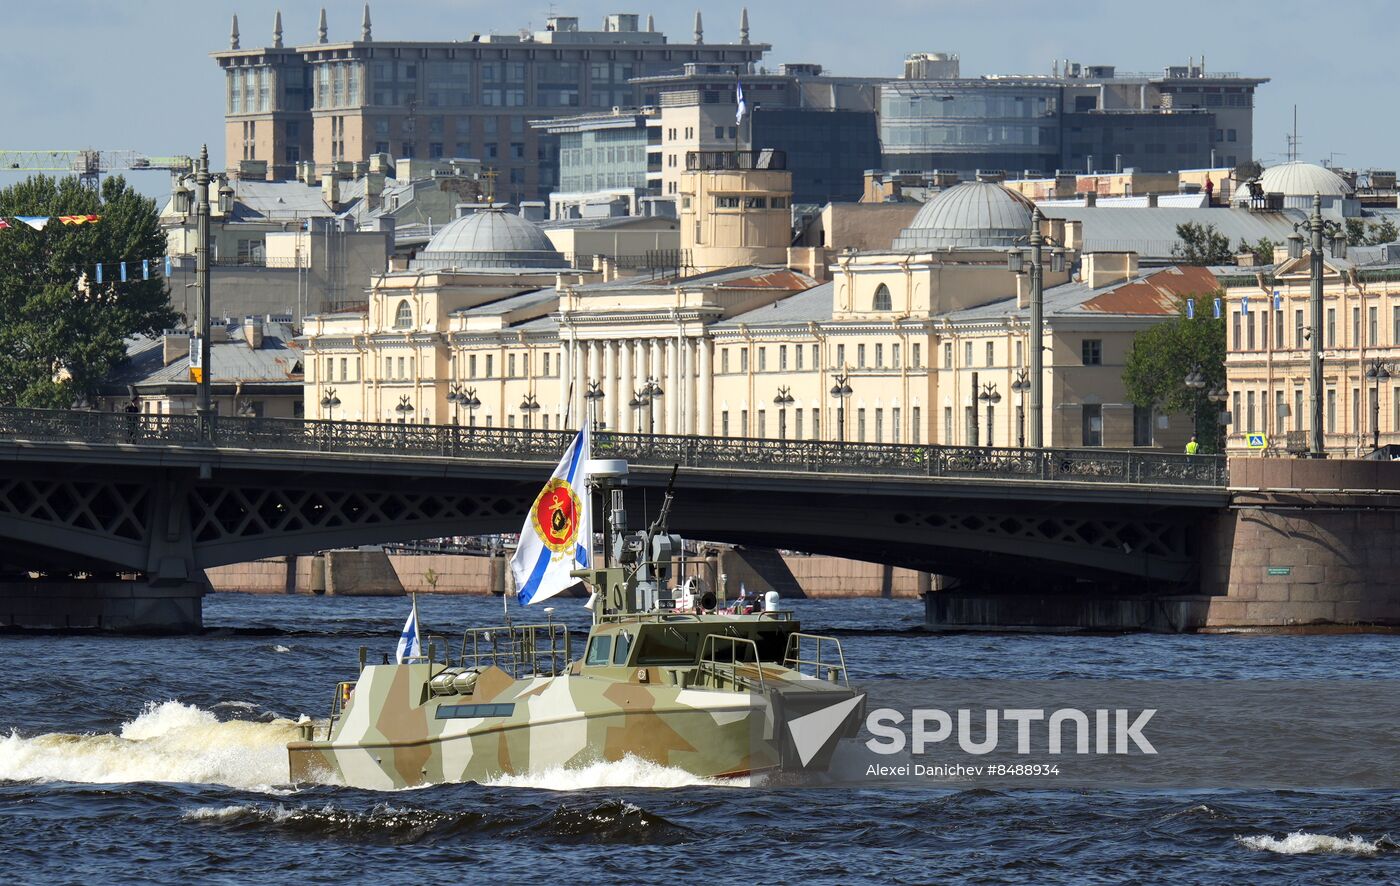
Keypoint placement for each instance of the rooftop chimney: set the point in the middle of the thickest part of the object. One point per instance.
(174, 345)
(253, 332)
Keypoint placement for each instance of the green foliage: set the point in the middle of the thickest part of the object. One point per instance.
(1201, 245)
(60, 333)
(1247, 170)
(1361, 234)
(1161, 357)
(1263, 251)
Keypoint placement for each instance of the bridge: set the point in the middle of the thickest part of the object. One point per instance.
(163, 498)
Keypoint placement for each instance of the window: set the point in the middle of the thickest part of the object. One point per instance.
(1331, 410)
(1249, 330)
(860, 424)
(882, 298)
(967, 353)
(403, 317)
(894, 356)
(947, 424)
(1249, 412)
(763, 423)
(489, 368)
(860, 356)
(797, 352)
(599, 650)
(545, 368)
(1092, 351)
(947, 355)
(755, 202)
(743, 422)
(1092, 424)
(401, 372)
(474, 711)
(1278, 330)
(1142, 426)
(1355, 328)
(510, 366)
(816, 356)
(726, 202)
(894, 424)
(762, 359)
(816, 424)
(743, 359)
(797, 426)
(388, 367)
(840, 356)
(724, 360)
(1331, 327)
(782, 357)
(1298, 408)
(621, 648)
(1298, 327)
(879, 425)
(1020, 353)
(1372, 324)
(879, 356)
(344, 368)
(1279, 417)
(724, 423)
(1355, 410)
(1395, 326)
(471, 366)
(1237, 339)
(914, 425)
(991, 353)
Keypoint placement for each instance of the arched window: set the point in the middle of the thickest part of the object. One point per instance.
(403, 317)
(882, 299)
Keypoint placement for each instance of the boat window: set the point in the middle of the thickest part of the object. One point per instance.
(624, 646)
(469, 711)
(666, 646)
(599, 650)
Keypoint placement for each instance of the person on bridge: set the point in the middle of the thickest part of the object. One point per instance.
(1192, 447)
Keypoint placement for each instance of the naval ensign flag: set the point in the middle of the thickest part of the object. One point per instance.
(409, 647)
(558, 533)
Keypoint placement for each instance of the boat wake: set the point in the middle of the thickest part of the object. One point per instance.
(1303, 843)
(167, 742)
(629, 772)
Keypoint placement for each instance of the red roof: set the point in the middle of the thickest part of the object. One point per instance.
(1160, 293)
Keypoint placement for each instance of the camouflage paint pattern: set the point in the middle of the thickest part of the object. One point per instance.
(389, 734)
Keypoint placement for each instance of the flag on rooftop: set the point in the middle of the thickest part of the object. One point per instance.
(743, 106)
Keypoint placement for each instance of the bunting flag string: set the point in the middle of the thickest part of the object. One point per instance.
(125, 269)
(39, 222)
(3, 224)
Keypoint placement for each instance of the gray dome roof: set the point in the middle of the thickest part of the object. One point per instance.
(1299, 179)
(971, 214)
(490, 239)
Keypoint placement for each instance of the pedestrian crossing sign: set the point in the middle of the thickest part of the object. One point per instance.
(1256, 441)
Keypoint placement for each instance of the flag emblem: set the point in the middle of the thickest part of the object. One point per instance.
(555, 516)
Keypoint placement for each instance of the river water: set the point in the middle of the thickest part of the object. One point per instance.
(137, 759)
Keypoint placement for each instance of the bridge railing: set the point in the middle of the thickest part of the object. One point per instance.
(456, 441)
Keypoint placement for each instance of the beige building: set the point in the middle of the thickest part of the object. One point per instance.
(1268, 344)
(735, 208)
(910, 336)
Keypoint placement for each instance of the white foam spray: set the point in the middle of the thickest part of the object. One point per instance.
(1303, 843)
(629, 772)
(167, 742)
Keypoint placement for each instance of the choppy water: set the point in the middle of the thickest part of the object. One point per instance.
(145, 759)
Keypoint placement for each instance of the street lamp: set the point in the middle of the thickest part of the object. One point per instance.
(458, 397)
(991, 397)
(329, 402)
(1196, 382)
(1019, 387)
(529, 406)
(1376, 373)
(639, 397)
(201, 179)
(651, 392)
(404, 409)
(595, 393)
(841, 391)
(783, 401)
(1015, 263)
(1316, 226)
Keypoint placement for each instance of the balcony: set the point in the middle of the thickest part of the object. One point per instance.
(718, 161)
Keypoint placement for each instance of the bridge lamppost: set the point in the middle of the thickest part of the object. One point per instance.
(329, 402)
(638, 399)
(783, 401)
(1376, 373)
(1196, 382)
(594, 395)
(1015, 262)
(529, 406)
(404, 409)
(1019, 387)
(458, 398)
(651, 393)
(841, 391)
(201, 179)
(991, 397)
(1315, 226)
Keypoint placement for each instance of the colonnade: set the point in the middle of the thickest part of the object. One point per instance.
(622, 368)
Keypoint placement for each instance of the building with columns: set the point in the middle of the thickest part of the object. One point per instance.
(489, 326)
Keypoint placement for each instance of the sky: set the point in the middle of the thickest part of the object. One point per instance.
(136, 74)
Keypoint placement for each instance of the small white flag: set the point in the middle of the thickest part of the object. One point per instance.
(743, 107)
(409, 647)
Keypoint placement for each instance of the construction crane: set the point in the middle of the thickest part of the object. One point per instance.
(89, 164)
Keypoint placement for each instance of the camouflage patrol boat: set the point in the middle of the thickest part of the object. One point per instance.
(671, 674)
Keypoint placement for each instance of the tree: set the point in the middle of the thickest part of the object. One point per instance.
(1248, 170)
(1359, 233)
(61, 333)
(1161, 357)
(1201, 245)
(1263, 251)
